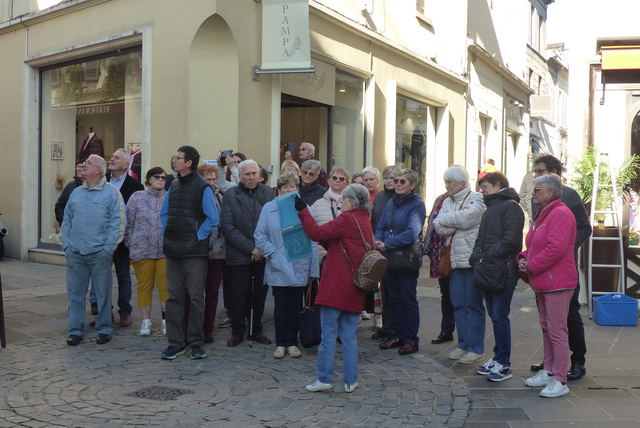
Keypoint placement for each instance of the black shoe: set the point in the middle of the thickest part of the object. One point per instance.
(94, 308)
(442, 337)
(103, 338)
(381, 336)
(537, 367)
(260, 338)
(73, 339)
(576, 372)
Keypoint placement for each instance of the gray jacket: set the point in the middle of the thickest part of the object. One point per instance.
(241, 209)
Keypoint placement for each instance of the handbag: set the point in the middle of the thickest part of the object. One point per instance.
(372, 266)
(310, 328)
(406, 259)
(444, 266)
(490, 274)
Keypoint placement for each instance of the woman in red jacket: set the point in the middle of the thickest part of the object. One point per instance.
(340, 300)
(549, 267)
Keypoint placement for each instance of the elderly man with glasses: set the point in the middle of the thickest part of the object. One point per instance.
(93, 226)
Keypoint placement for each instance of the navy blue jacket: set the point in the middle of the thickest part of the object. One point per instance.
(408, 219)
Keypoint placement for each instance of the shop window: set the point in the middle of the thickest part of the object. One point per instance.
(348, 123)
(413, 121)
(92, 106)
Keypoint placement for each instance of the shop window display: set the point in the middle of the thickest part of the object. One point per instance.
(348, 123)
(92, 106)
(412, 121)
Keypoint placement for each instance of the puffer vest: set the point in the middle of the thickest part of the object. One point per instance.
(185, 217)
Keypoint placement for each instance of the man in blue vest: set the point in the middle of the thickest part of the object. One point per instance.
(188, 215)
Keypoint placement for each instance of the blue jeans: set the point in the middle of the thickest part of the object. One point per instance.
(80, 269)
(338, 323)
(402, 303)
(498, 307)
(468, 310)
(122, 264)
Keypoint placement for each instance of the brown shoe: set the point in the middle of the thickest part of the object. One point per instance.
(125, 320)
(235, 340)
(394, 342)
(260, 338)
(409, 347)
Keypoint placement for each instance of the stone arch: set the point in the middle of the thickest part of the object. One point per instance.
(213, 88)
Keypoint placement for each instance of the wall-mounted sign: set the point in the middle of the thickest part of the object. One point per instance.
(319, 86)
(285, 34)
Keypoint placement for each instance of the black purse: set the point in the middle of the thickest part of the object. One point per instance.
(405, 259)
(490, 274)
(310, 328)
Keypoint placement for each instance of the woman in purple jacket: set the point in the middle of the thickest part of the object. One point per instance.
(549, 267)
(143, 237)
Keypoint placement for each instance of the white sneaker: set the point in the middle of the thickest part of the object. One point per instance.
(279, 353)
(145, 330)
(554, 389)
(457, 354)
(471, 357)
(294, 352)
(365, 316)
(541, 379)
(377, 321)
(164, 327)
(319, 386)
(350, 387)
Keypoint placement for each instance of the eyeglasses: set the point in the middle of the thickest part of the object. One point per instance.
(89, 163)
(160, 177)
(311, 173)
(178, 158)
(338, 178)
(537, 189)
(400, 181)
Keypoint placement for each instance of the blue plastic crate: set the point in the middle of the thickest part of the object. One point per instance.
(615, 309)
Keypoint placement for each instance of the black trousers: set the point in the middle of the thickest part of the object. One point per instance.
(577, 343)
(245, 290)
(286, 314)
(448, 323)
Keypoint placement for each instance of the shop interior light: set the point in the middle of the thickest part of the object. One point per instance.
(342, 88)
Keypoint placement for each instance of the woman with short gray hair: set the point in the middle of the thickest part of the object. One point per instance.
(338, 297)
(311, 190)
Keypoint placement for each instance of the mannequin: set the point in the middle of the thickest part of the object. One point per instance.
(92, 145)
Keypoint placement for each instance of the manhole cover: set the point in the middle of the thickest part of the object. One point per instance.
(160, 393)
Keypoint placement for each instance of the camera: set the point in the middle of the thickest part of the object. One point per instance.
(223, 157)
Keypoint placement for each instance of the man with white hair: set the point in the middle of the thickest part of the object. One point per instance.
(244, 283)
(305, 153)
(93, 226)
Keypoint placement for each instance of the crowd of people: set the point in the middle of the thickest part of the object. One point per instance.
(202, 226)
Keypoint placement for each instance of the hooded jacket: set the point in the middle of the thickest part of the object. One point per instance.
(500, 233)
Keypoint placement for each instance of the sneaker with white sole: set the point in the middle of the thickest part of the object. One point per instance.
(485, 369)
(350, 387)
(457, 354)
(294, 352)
(554, 389)
(540, 380)
(279, 352)
(471, 357)
(145, 329)
(365, 316)
(377, 321)
(499, 373)
(164, 327)
(319, 386)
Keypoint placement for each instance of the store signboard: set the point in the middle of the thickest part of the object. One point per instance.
(319, 86)
(285, 34)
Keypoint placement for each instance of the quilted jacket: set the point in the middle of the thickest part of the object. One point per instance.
(550, 249)
(461, 214)
(337, 289)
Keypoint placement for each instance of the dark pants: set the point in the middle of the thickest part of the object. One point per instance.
(245, 290)
(577, 344)
(286, 314)
(388, 327)
(369, 301)
(211, 291)
(403, 303)
(123, 272)
(448, 323)
(185, 276)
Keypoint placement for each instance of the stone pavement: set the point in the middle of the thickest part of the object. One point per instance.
(45, 383)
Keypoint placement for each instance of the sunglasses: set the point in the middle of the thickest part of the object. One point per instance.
(338, 178)
(311, 173)
(160, 177)
(400, 181)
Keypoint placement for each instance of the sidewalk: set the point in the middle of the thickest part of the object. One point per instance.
(46, 383)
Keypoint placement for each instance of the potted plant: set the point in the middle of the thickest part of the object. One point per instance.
(604, 251)
(634, 238)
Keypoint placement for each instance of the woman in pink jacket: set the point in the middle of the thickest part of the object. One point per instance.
(549, 267)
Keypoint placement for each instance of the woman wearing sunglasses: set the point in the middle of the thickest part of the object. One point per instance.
(143, 237)
(400, 227)
(327, 208)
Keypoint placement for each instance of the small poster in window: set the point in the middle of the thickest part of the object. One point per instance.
(57, 150)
